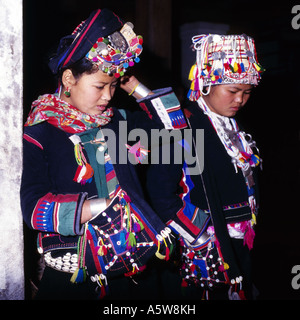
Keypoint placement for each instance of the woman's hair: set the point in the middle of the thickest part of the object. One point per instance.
(79, 68)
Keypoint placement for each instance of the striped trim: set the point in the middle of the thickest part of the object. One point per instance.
(81, 38)
(188, 223)
(56, 213)
(32, 140)
(181, 231)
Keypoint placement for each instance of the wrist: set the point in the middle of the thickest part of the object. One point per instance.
(140, 91)
(97, 205)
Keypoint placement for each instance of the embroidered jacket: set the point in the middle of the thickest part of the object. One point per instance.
(52, 201)
(178, 195)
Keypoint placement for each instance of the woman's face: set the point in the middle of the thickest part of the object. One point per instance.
(91, 93)
(227, 99)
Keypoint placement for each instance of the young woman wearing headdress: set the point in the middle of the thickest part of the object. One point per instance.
(213, 209)
(79, 189)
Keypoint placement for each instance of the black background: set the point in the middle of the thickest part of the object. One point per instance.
(271, 115)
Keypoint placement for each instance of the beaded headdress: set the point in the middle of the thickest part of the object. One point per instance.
(118, 51)
(223, 59)
(102, 38)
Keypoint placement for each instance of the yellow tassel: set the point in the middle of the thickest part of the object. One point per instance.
(74, 276)
(257, 67)
(100, 252)
(78, 276)
(253, 219)
(235, 67)
(159, 255)
(192, 72)
(192, 85)
(226, 266)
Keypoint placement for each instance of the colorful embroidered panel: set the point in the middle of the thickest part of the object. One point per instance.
(56, 214)
(168, 109)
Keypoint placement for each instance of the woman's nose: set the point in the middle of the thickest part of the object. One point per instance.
(106, 93)
(239, 97)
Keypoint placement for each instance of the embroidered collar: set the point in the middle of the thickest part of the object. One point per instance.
(64, 116)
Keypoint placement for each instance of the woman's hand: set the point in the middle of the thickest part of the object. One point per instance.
(132, 86)
(129, 83)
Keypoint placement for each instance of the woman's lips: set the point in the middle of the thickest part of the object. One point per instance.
(235, 108)
(102, 107)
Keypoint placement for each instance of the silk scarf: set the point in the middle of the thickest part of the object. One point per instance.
(64, 116)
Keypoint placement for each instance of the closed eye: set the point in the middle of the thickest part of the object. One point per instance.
(245, 92)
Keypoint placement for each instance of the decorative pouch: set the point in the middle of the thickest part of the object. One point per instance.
(119, 241)
(202, 263)
(202, 260)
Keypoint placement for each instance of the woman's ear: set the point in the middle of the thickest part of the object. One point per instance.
(68, 79)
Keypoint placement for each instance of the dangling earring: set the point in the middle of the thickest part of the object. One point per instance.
(67, 93)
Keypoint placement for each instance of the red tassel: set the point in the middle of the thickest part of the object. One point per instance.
(226, 66)
(246, 155)
(167, 254)
(142, 268)
(136, 270)
(191, 255)
(130, 273)
(217, 243)
(239, 68)
(249, 235)
(101, 250)
(102, 292)
(249, 238)
(221, 268)
(208, 67)
(77, 173)
(184, 284)
(242, 295)
(126, 198)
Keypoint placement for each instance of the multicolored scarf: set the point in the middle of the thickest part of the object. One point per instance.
(64, 116)
(69, 119)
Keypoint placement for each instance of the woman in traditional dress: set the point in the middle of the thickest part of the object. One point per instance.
(79, 188)
(212, 203)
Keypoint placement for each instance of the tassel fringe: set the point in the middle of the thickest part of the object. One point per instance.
(84, 172)
(79, 275)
